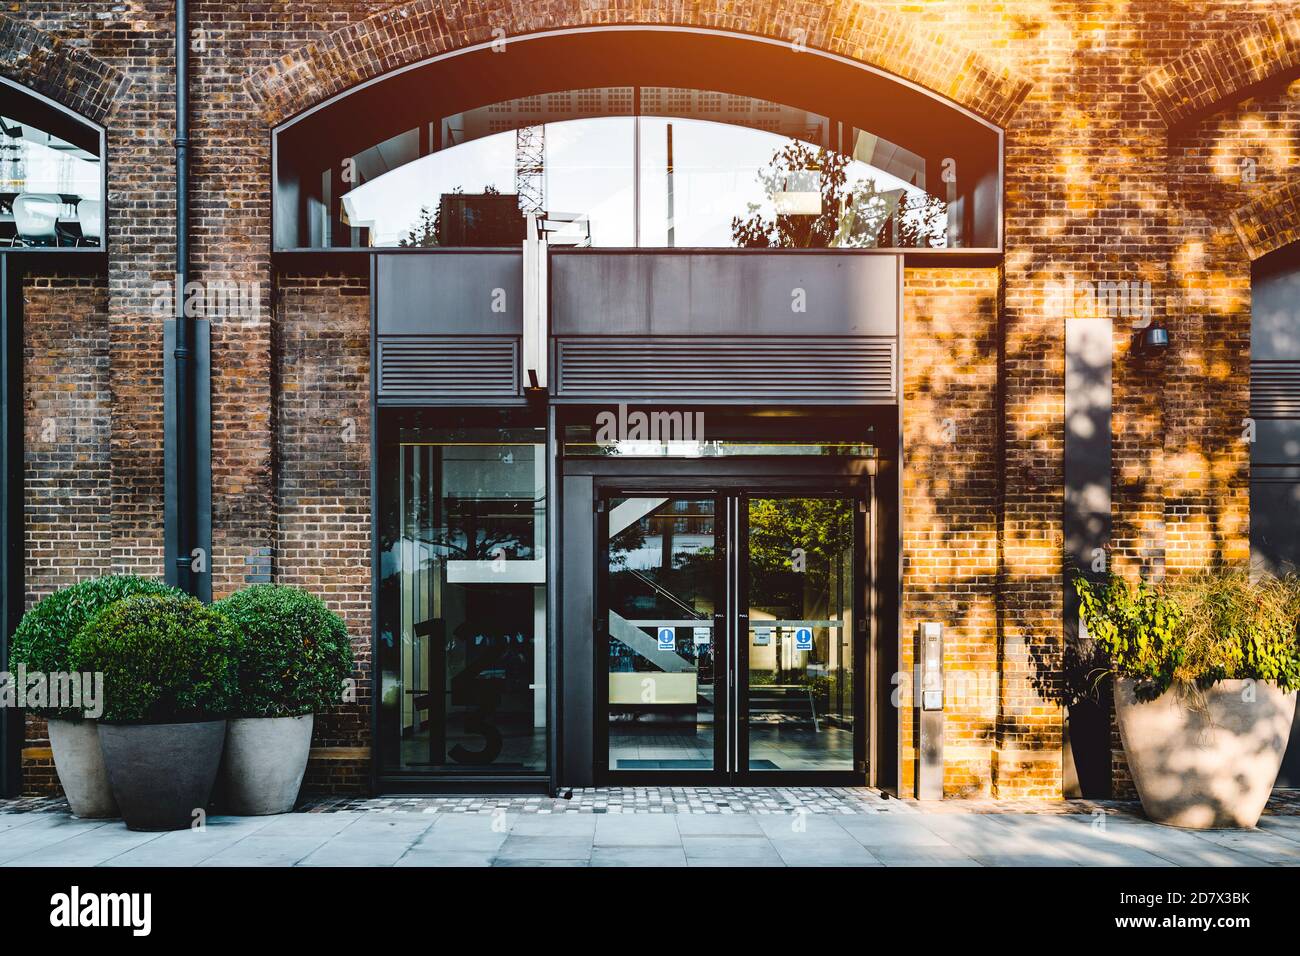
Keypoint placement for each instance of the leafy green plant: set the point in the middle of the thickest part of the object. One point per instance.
(1237, 627)
(295, 653)
(44, 636)
(165, 659)
(1196, 630)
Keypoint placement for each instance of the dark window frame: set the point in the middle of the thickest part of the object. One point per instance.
(78, 130)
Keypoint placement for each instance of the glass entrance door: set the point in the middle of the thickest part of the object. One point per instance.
(731, 628)
(797, 659)
(663, 598)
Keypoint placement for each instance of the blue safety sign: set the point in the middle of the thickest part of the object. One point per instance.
(803, 639)
(667, 639)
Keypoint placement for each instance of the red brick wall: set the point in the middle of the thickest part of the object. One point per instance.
(322, 483)
(1098, 187)
(951, 506)
(67, 489)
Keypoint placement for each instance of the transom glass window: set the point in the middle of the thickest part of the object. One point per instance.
(635, 166)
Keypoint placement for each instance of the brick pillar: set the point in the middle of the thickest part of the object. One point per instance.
(323, 489)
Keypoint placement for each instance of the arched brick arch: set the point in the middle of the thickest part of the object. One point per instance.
(43, 62)
(1269, 222)
(1221, 70)
(417, 30)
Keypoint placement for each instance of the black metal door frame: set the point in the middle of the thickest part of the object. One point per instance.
(731, 749)
(860, 644)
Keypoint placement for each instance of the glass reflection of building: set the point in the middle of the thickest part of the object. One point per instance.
(636, 166)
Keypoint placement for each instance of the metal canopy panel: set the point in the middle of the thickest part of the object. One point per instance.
(789, 369)
(746, 292)
(450, 293)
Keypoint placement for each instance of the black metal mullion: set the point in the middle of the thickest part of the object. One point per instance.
(11, 509)
(741, 617)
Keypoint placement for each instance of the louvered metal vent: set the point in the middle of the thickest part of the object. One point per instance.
(1275, 389)
(855, 369)
(440, 368)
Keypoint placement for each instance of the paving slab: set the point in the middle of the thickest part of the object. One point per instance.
(734, 824)
(544, 848)
(259, 850)
(356, 853)
(638, 856)
(88, 848)
(878, 832)
(633, 830)
(385, 830)
(178, 848)
(27, 840)
(898, 855)
(433, 857)
(730, 851)
(814, 852)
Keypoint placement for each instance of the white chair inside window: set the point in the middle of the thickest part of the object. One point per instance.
(36, 219)
(90, 213)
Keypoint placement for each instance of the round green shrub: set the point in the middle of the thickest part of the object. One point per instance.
(165, 659)
(42, 640)
(294, 653)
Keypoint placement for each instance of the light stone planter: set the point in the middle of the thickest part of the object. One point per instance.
(79, 760)
(265, 760)
(162, 774)
(1205, 759)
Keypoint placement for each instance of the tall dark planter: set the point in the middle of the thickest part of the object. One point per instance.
(162, 773)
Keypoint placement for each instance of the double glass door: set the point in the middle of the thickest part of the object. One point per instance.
(731, 633)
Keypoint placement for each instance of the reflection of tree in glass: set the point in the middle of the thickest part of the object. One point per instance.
(424, 233)
(822, 528)
(853, 214)
(818, 533)
(477, 529)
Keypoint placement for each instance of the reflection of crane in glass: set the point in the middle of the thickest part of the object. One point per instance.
(558, 228)
(530, 168)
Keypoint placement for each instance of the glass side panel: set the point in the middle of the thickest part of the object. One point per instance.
(463, 605)
(800, 678)
(661, 582)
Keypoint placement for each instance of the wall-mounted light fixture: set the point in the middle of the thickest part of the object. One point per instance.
(1150, 340)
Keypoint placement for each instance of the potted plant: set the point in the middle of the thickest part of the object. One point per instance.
(1205, 674)
(41, 645)
(169, 679)
(294, 657)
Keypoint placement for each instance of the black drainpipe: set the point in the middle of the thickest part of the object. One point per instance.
(183, 354)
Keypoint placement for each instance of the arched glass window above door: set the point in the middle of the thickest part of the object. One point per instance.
(638, 165)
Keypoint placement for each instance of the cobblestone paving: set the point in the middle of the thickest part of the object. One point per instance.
(833, 800)
(722, 800)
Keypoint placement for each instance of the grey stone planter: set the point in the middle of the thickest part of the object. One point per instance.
(162, 773)
(264, 763)
(1205, 759)
(79, 760)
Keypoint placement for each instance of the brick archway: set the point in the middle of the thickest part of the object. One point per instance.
(1222, 70)
(1269, 222)
(415, 31)
(44, 63)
